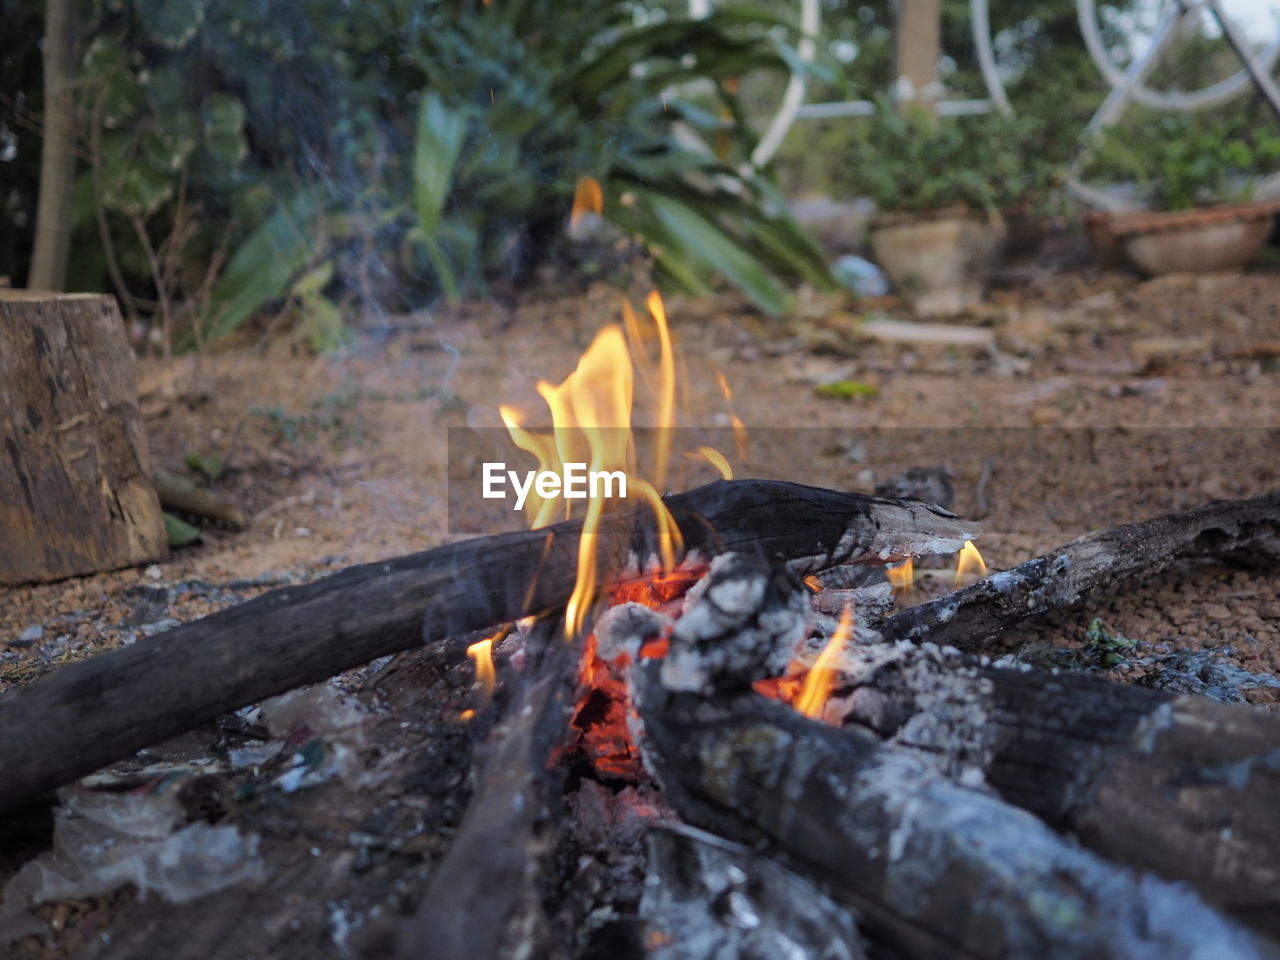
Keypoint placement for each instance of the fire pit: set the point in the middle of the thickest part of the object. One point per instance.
(715, 723)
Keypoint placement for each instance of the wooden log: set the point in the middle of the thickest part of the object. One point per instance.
(1183, 786)
(486, 895)
(76, 494)
(935, 869)
(1243, 530)
(158, 687)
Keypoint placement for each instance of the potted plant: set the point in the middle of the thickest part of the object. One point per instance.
(1196, 181)
(940, 184)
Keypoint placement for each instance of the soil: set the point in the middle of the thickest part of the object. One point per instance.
(1106, 399)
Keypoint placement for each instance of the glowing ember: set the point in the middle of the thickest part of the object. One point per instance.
(481, 653)
(820, 679)
(902, 576)
(588, 200)
(717, 460)
(813, 583)
(969, 564)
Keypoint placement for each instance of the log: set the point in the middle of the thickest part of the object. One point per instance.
(158, 687)
(1179, 785)
(933, 868)
(969, 619)
(486, 895)
(76, 494)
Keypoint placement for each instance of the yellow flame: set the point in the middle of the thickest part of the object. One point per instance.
(821, 678)
(740, 438)
(591, 424)
(717, 460)
(587, 198)
(902, 576)
(666, 387)
(481, 652)
(969, 563)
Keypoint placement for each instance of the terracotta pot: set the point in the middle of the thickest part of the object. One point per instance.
(1193, 241)
(940, 262)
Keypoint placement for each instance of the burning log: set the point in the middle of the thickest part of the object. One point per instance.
(1241, 530)
(158, 687)
(1183, 786)
(486, 894)
(934, 868)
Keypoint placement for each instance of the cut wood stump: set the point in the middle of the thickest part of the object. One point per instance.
(76, 494)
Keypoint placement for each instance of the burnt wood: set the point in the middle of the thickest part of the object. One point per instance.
(87, 714)
(486, 894)
(1180, 785)
(1241, 530)
(935, 869)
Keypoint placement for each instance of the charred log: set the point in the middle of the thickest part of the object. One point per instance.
(1183, 786)
(141, 694)
(708, 898)
(485, 898)
(936, 869)
(1238, 530)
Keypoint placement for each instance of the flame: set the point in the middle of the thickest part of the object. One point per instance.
(588, 198)
(591, 415)
(740, 438)
(482, 653)
(902, 576)
(717, 460)
(969, 563)
(813, 583)
(821, 677)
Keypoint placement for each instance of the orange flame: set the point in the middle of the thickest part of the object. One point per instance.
(740, 438)
(969, 563)
(588, 198)
(591, 413)
(717, 460)
(813, 583)
(902, 576)
(482, 653)
(821, 678)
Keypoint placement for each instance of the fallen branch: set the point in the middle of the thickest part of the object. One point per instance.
(970, 618)
(90, 713)
(177, 492)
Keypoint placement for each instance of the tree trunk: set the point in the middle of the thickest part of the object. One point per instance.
(57, 157)
(75, 488)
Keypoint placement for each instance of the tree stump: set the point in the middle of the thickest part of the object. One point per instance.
(76, 494)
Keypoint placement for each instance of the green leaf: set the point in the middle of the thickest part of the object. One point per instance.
(441, 133)
(178, 532)
(322, 328)
(846, 389)
(210, 465)
(704, 241)
(224, 139)
(260, 270)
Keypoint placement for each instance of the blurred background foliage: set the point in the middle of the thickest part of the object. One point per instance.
(320, 155)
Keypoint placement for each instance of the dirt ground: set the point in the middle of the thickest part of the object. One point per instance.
(1102, 399)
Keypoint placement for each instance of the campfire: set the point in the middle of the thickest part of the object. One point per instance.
(752, 718)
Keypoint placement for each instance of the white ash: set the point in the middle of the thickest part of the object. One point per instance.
(871, 604)
(741, 622)
(623, 630)
(932, 700)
